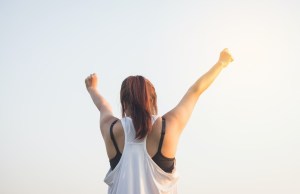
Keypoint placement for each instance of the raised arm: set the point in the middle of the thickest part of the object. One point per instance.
(106, 114)
(179, 116)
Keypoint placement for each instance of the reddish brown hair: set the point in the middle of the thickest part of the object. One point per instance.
(138, 96)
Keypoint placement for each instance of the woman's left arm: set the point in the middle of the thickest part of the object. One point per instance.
(106, 114)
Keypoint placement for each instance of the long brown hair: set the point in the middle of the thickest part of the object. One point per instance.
(138, 96)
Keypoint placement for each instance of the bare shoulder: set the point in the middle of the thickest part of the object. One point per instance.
(118, 134)
(169, 124)
(173, 123)
(172, 135)
(106, 124)
(156, 128)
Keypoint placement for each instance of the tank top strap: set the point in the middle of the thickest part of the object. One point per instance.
(163, 131)
(112, 136)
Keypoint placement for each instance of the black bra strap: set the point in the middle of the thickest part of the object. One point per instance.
(163, 131)
(112, 136)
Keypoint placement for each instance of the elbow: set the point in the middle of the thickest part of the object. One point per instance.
(196, 89)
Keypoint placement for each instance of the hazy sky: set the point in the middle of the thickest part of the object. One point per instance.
(243, 136)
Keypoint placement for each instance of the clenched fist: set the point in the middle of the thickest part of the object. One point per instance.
(91, 82)
(225, 57)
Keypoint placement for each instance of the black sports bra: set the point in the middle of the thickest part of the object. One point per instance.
(166, 164)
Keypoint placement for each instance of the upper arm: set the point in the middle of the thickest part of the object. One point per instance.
(106, 118)
(180, 114)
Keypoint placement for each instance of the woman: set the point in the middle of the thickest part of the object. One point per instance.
(141, 146)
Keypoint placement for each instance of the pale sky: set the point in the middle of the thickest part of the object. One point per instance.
(243, 136)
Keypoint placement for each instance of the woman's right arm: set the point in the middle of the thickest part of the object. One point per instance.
(179, 116)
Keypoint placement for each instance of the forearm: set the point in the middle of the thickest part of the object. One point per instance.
(206, 80)
(99, 101)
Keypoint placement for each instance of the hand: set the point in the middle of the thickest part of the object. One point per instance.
(91, 82)
(225, 57)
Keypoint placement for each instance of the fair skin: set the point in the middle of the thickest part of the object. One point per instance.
(176, 119)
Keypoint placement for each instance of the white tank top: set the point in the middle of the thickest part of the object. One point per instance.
(136, 172)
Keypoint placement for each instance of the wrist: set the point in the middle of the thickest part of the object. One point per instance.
(92, 90)
(221, 63)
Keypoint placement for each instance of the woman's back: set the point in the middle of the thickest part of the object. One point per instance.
(136, 171)
(152, 143)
